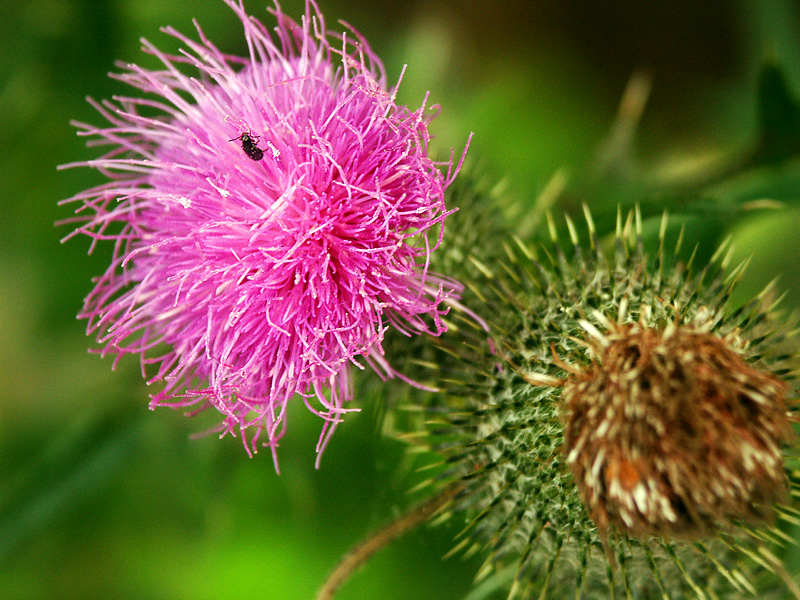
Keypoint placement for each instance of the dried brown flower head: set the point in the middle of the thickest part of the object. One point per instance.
(671, 432)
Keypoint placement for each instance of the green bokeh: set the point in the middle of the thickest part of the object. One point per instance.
(99, 497)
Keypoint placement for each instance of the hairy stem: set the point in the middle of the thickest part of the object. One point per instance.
(364, 550)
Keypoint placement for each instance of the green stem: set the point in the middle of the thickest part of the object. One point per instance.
(364, 550)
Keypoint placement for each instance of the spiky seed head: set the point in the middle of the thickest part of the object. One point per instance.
(671, 432)
(564, 318)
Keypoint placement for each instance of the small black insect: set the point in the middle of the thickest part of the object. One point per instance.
(249, 146)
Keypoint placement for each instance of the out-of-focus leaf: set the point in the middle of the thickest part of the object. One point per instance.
(772, 183)
(779, 117)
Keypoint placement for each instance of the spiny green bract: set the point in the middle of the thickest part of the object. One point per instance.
(499, 419)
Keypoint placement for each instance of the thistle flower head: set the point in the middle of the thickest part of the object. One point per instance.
(625, 432)
(272, 216)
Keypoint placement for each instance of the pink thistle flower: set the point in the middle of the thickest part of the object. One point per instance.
(269, 224)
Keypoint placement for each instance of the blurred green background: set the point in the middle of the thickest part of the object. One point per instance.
(99, 497)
